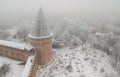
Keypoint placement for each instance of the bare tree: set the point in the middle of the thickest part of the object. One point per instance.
(116, 53)
(83, 38)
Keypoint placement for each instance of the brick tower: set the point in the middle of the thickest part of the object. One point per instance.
(41, 39)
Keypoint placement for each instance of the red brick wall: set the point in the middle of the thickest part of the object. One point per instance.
(14, 53)
(44, 49)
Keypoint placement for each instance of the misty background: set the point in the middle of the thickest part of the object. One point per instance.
(73, 22)
(12, 11)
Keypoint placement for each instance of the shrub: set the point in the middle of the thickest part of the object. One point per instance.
(69, 68)
(4, 69)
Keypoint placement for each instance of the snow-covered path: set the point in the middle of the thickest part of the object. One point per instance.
(28, 66)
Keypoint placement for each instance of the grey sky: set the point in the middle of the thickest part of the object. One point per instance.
(11, 8)
(60, 6)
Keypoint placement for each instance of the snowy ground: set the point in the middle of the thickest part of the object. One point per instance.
(16, 69)
(70, 63)
(77, 63)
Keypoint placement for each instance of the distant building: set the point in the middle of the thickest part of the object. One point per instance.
(41, 46)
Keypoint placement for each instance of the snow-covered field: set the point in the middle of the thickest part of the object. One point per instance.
(69, 62)
(16, 69)
(78, 63)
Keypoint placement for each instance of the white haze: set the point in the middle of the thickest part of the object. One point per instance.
(14, 9)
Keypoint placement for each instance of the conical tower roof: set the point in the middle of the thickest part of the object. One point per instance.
(40, 29)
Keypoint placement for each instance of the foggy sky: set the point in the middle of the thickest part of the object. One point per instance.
(13, 8)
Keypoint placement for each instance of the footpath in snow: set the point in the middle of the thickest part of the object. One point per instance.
(28, 66)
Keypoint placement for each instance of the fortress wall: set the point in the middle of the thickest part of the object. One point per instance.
(14, 53)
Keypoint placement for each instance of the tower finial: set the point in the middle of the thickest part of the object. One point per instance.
(40, 3)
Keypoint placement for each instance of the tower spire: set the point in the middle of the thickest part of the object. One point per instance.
(40, 29)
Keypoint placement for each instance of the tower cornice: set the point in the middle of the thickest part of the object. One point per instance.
(34, 37)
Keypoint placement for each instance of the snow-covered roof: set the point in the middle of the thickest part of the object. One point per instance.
(15, 45)
(40, 37)
(40, 29)
(28, 46)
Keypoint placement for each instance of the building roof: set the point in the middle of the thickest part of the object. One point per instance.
(40, 29)
(16, 45)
